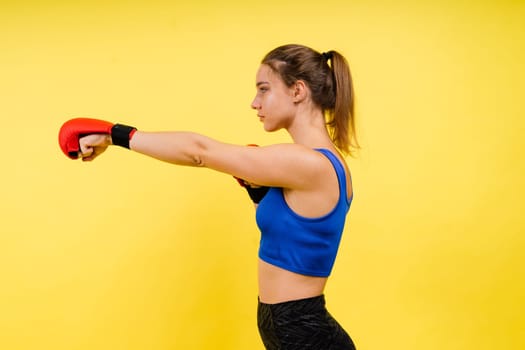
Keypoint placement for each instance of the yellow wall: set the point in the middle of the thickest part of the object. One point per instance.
(130, 253)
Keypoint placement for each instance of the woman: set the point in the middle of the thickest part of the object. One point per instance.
(304, 187)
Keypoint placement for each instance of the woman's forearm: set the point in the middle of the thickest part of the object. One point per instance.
(177, 147)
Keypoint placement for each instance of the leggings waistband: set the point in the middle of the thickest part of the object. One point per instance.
(307, 305)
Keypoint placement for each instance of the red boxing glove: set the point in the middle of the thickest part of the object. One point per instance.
(72, 130)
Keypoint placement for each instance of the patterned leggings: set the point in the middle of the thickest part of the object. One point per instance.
(301, 324)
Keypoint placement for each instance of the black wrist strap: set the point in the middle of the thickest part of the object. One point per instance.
(120, 134)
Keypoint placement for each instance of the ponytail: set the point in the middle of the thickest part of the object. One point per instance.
(341, 118)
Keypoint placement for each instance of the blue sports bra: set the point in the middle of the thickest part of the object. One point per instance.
(307, 246)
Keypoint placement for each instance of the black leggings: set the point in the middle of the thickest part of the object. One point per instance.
(301, 324)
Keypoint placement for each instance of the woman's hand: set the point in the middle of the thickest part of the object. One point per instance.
(91, 146)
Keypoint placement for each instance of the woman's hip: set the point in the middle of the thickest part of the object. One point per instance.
(301, 324)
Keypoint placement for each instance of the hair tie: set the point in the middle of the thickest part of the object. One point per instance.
(327, 55)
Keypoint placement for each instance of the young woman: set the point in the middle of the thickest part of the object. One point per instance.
(303, 188)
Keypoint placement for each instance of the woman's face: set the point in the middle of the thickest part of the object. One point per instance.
(274, 101)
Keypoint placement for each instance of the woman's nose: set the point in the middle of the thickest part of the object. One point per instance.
(255, 104)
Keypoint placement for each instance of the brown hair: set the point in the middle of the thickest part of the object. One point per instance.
(330, 82)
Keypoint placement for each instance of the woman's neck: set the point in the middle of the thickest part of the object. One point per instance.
(309, 129)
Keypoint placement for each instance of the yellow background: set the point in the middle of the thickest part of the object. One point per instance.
(131, 253)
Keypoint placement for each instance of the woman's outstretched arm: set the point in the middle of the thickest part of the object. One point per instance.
(281, 165)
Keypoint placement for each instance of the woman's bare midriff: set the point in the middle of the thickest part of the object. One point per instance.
(277, 285)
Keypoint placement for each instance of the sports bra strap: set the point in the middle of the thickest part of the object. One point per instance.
(339, 170)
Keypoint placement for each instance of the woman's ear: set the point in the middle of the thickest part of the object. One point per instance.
(300, 91)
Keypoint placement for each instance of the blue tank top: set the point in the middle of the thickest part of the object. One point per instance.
(307, 246)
